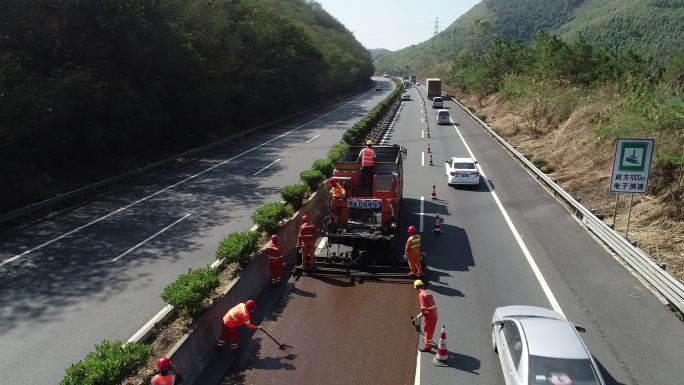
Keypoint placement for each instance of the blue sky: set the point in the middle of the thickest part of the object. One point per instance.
(395, 24)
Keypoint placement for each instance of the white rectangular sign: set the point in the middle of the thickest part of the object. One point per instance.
(631, 166)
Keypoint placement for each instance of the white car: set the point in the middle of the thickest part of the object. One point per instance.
(405, 96)
(437, 102)
(462, 171)
(443, 117)
(538, 346)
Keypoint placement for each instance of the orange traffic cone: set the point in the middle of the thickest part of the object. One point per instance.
(428, 149)
(442, 356)
(431, 160)
(428, 130)
(434, 191)
(438, 225)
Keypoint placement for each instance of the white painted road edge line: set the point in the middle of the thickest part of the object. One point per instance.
(271, 164)
(537, 272)
(416, 380)
(149, 238)
(422, 213)
(174, 185)
(317, 135)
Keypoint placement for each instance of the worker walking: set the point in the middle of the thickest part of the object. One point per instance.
(428, 310)
(413, 252)
(367, 158)
(307, 241)
(166, 373)
(238, 315)
(275, 260)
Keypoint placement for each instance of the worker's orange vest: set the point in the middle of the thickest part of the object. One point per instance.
(307, 232)
(236, 316)
(273, 251)
(163, 380)
(367, 157)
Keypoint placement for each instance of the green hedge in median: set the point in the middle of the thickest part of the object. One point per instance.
(312, 178)
(188, 292)
(325, 166)
(109, 364)
(294, 194)
(268, 216)
(336, 151)
(238, 246)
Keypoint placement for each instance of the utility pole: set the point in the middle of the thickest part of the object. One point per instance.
(436, 26)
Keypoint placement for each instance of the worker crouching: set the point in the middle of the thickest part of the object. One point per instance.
(275, 260)
(412, 251)
(307, 242)
(428, 310)
(233, 319)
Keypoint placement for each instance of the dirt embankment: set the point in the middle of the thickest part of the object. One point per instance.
(569, 152)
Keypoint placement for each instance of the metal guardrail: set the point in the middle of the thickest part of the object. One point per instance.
(664, 283)
(55, 201)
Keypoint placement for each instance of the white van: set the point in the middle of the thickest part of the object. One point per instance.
(437, 102)
(443, 117)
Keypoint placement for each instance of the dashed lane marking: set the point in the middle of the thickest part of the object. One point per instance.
(271, 164)
(149, 238)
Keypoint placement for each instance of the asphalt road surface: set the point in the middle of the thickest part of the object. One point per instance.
(503, 242)
(96, 272)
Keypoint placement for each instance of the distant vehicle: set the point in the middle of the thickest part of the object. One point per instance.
(378, 88)
(437, 102)
(538, 346)
(413, 79)
(434, 87)
(443, 117)
(461, 171)
(385, 75)
(417, 83)
(405, 96)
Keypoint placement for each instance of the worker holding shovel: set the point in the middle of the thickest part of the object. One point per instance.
(428, 310)
(237, 316)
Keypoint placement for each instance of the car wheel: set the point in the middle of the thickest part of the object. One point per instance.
(494, 342)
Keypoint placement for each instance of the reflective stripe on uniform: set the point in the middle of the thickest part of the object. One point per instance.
(429, 307)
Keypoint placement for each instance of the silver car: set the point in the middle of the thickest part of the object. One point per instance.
(538, 346)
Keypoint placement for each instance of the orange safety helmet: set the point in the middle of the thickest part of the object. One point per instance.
(305, 218)
(411, 230)
(250, 305)
(331, 182)
(274, 238)
(163, 364)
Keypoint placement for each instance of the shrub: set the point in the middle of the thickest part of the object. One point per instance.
(336, 151)
(312, 178)
(189, 291)
(294, 194)
(268, 216)
(109, 364)
(325, 166)
(538, 162)
(238, 246)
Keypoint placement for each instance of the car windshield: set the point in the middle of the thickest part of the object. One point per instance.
(545, 371)
(443, 114)
(437, 100)
(464, 166)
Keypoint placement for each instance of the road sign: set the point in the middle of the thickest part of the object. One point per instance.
(631, 166)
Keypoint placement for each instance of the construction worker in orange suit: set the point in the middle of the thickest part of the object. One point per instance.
(337, 203)
(232, 320)
(166, 373)
(307, 241)
(413, 252)
(428, 310)
(275, 260)
(367, 158)
(336, 191)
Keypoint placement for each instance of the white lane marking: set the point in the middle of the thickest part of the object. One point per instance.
(422, 120)
(422, 158)
(321, 244)
(149, 238)
(422, 213)
(173, 185)
(317, 135)
(537, 272)
(422, 134)
(271, 164)
(416, 380)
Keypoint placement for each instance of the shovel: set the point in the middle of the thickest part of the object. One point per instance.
(416, 326)
(280, 346)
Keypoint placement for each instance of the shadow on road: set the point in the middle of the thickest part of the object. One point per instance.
(610, 380)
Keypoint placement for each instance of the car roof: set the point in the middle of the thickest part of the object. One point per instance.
(554, 338)
(522, 310)
(462, 160)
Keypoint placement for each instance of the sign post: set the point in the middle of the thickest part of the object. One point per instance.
(631, 167)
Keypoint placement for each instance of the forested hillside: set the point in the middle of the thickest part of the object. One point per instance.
(651, 28)
(90, 89)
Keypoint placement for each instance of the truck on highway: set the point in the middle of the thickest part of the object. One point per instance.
(413, 79)
(362, 225)
(434, 87)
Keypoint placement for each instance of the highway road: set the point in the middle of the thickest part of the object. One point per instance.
(96, 272)
(504, 242)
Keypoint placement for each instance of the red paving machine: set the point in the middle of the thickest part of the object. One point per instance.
(362, 225)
